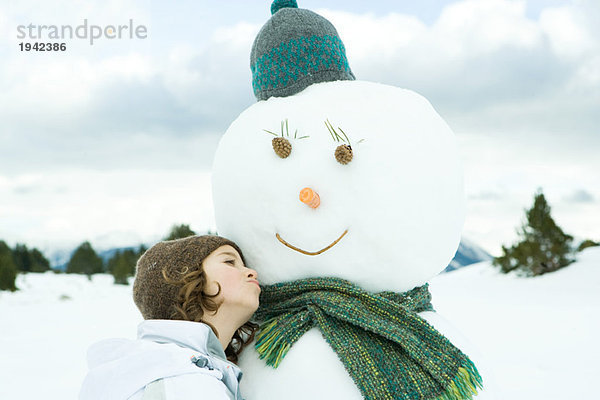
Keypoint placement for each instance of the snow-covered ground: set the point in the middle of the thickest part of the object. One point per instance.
(537, 334)
(46, 327)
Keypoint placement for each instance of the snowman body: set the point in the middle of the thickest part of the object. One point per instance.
(388, 220)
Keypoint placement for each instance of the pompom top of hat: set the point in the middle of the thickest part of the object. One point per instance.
(279, 4)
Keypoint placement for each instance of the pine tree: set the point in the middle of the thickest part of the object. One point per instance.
(39, 263)
(27, 260)
(131, 258)
(180, 232)
(587, 243)
(122, 265)
(112, 262)
(121, 270)
(22, 258)
(141, 250)
(85, 261)
(543, 248)
(8, 269)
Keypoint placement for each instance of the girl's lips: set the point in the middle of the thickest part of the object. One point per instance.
(254, 281)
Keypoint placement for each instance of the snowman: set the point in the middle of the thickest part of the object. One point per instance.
(347, 197)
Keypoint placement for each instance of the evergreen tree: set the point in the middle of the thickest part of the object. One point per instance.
(22, 258)
(85, 261)
(121, 270)
(112, 262)
(8, 269)
(587, 243)
(141, 250)
(122, 265)
(130, 257)
(180, 232)
(39, 263)
(29, 260)
(543, 247)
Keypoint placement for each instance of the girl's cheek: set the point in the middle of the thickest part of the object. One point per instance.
(232, 275)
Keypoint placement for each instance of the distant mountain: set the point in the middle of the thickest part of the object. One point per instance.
(468, 253)
(106, 255)
(59, 258)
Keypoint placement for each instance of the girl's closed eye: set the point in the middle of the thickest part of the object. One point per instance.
(232, 262)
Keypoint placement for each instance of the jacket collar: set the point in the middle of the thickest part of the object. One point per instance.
(194, 335)
(198, 337)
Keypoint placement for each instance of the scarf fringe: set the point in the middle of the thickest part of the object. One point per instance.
(464, 385)
(272, 347)
(271, 344)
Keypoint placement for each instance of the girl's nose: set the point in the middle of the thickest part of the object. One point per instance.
(252, 273)
(310, 197)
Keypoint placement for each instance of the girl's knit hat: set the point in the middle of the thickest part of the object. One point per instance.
(293, 50)
(152, 294)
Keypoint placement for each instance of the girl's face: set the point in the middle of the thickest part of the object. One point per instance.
(239, 284)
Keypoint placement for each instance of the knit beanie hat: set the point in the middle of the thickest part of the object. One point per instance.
(152, 294)
(295, 49)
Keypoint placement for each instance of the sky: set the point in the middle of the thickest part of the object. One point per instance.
(113, 142)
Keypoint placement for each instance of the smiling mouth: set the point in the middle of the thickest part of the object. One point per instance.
(311, 253)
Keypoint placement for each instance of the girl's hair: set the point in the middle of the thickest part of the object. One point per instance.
(192, 302)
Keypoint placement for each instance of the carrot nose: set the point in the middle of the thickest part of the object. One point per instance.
(310, 197)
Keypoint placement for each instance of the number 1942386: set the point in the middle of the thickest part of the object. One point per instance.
(43, 46)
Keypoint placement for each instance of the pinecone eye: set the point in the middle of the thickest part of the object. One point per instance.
(281, 146)
(343, 154)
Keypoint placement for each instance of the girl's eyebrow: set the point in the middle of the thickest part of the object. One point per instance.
(228, 253)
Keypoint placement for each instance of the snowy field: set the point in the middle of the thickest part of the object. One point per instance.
(537, 334)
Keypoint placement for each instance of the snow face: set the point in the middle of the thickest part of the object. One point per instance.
(401, 198)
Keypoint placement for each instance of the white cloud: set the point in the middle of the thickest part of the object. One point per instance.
(212, 78)
(580, 196)
(484, 61)
(133, 66)
(587, 76)
(205, 78)
(103, 207)
(368, 37)
(4, 29)
(567, 31)
(66, 85)
(482, 27)
(239, 36)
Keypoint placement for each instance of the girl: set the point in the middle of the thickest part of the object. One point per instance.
(196, 296)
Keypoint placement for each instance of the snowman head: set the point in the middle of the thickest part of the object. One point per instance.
(342, 178)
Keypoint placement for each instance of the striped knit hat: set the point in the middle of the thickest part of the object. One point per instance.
(152, 294)
(293, 50)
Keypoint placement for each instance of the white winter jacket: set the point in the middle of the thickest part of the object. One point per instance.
(170, 360)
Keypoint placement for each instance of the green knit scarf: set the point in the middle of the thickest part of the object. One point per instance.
(389, 351)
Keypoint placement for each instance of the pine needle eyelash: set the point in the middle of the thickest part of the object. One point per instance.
(285, 131)
(336, 136)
